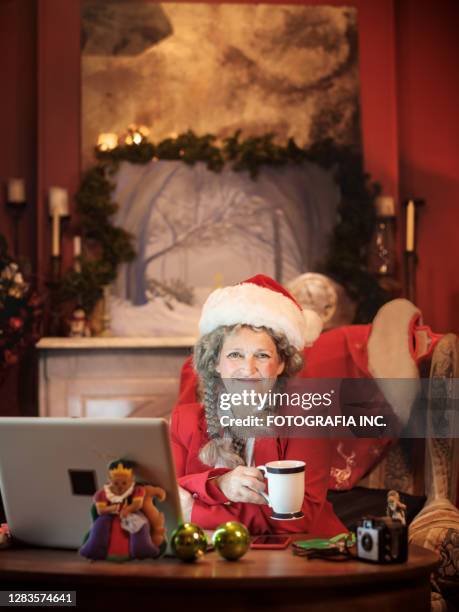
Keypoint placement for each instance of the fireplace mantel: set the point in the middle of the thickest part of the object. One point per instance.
(110, 376)
(111, 342)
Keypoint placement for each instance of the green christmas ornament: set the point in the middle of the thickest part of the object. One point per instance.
(231, 540)
(189, 542)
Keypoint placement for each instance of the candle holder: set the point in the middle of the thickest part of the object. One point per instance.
(57, 221)
(55, 269)
(54, 319)
(410, 256)
(382, 249)
(16, 210)
(106, 316)
(410, 265)
(55, 325)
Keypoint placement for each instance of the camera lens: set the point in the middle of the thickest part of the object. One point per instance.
(367, 542)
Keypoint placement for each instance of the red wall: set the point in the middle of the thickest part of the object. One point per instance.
(428, 98)
(18, 102)
(18, 154)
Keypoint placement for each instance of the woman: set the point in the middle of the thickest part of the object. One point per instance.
(252, 335)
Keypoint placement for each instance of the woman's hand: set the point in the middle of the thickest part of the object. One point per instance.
(186, 503)
(242, 484)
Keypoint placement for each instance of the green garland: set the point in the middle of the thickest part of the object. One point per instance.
(113, 245)
(346, 259)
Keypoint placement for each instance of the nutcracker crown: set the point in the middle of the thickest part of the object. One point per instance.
(120, 470)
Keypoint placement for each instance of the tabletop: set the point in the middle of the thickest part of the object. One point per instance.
(261, 581)
(257, 567)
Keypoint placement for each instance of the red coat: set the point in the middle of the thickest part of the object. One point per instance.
(211, 507)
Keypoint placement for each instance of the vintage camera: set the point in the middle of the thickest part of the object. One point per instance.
(382, 540)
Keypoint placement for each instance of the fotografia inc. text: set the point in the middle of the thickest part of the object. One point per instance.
(290, 420)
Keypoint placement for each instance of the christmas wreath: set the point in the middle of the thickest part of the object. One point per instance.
(20, 310)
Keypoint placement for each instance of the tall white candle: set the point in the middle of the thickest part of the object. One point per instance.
(410, 214)
(58, 201)
(16, 191)
(55, 249)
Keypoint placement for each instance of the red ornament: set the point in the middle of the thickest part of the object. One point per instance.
(16, 323)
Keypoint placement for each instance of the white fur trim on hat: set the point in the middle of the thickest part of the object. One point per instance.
(250, 304)
(314, 325)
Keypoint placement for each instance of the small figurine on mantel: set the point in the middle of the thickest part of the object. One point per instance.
(127, 524)
(396, 509)
(79, 324)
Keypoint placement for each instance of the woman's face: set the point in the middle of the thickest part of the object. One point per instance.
(249, 355)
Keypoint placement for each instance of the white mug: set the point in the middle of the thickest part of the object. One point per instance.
(285, 488)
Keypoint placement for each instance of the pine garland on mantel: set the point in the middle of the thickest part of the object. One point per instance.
(346, 259)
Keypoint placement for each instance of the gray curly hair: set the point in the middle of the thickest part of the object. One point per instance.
(228, 450)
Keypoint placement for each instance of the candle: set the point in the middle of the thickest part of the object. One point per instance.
(55, 249)
(77, 253)
(16, 191)
(385, 206)
(58, 201)
(410, 215)
(107, 141)
(77, 246)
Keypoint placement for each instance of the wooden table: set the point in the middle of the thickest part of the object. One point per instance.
(260, 581)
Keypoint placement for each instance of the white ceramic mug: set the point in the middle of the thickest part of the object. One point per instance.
(285, 488)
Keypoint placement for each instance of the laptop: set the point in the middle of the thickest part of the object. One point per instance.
(50, 469)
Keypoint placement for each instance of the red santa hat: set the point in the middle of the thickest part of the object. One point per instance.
(261, 301)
